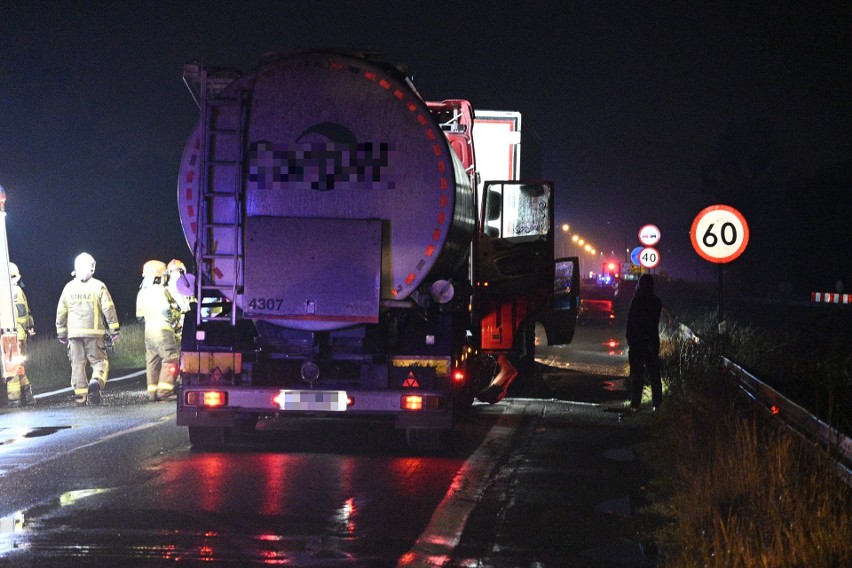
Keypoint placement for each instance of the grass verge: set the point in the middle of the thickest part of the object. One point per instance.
(730, 489)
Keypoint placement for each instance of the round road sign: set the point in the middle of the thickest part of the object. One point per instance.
(719, 234)
(649, 235)
(634, 256)
(649, 257)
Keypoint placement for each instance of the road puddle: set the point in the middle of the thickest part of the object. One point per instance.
(10, 436)
(14, 527)
(10, 526)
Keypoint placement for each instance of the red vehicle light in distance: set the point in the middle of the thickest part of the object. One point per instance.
(419, 402)
(207, 399)
(458, 376)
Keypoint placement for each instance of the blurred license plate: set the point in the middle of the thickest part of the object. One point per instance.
(312, 400)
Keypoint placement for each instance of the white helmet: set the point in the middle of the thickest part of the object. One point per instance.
(154, 269)
(14, 272)
(84, 266)
(176, 265)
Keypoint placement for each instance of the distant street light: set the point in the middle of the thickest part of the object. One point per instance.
(585, 246)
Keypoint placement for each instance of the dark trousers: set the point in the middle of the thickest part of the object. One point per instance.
(645, 359)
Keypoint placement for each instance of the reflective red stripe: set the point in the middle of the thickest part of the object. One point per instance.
(831, 298)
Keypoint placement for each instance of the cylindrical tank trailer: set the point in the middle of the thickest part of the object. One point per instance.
(332, 137)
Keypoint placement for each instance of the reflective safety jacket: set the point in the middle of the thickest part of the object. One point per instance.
(23, 316)
(156, 309)
(85, 310)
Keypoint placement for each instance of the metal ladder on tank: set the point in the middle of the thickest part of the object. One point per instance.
(219, 242)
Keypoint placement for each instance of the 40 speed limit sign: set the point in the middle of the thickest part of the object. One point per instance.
(719, 234)
(649, 257)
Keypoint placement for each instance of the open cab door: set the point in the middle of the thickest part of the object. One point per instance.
(559, 323)
(515, 273)
(513, 261)
(514, 244)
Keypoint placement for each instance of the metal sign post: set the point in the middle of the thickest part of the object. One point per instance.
(719, 234)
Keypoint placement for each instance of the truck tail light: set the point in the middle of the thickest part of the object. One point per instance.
(207, 399)
(419, 402)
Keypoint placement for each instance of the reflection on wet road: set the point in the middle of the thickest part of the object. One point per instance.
(118, 485)
(598, 347)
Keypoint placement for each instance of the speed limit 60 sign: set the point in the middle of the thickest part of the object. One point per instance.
(719, 234)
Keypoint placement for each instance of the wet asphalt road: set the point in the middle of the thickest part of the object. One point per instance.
(566, 494)
(118, 485)
(536, 481)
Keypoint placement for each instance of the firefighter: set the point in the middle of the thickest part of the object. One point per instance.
(158, 311)
(180, 286)
(26, 328)
(85, 315)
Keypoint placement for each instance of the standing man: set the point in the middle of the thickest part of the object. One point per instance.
(84, 315)
(25, 328)
(643, 342)
(159, 312)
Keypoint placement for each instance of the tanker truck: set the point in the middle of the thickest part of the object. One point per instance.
(360, 252)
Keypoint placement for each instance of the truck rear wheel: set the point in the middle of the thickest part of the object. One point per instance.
(209, 437)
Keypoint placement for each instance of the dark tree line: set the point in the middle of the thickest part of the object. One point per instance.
(798, 214)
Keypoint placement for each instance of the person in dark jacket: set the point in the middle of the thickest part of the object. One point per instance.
(643, 342)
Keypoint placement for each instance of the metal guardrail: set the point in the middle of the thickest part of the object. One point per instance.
(789, 413)
(796, 417)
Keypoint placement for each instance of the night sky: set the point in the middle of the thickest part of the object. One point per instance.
(629, 99)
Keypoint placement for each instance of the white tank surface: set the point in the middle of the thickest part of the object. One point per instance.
(341, 140)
